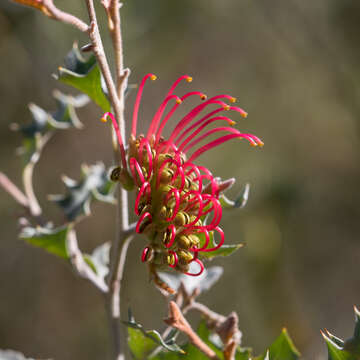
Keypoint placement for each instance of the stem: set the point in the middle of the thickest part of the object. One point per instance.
(116, 94)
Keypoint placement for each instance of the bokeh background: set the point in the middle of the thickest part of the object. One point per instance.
(294, 66)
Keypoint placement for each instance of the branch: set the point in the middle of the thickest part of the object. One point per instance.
(48, 8)
(177, 321)
(79, 264)
(13, 190)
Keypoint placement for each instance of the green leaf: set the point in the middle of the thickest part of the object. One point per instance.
(243, 354)
(282, 349)
(53, 240)
(142, 342)
(204, 333)
(336, 352)
(224, 250)
(353, 344)
(93, 185)
(84, 75)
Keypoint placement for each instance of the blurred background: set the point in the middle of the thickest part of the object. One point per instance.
(294, 66)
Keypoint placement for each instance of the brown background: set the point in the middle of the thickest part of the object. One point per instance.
(294, 66)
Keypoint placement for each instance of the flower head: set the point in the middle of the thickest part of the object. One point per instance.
(177, 200)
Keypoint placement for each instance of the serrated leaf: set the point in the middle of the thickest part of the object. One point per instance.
(204, 333)
(99, 260)
(224, 250)
(239, 202)
(141, 342)
(53, 240)
(38, 131)
(94, 184)
(282, 349)
(353, 344)
(203, 282)
(12, 355)
(243, 354)
(85, 76)
(336, 352)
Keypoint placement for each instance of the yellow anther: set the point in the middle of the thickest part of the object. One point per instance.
(103, 119)
(232, 99)
(178, 101)
(189, 79)
(203, 97)
(227, 107)
(253, 144)
(244, 114)
(260, 143)
(153, 77)
(231, 122)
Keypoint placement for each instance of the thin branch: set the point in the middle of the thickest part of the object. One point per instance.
(177, 321)
(13, 190)
(80, 265)
(48, 8)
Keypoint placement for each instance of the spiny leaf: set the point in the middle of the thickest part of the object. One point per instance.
(203, 282)
(53, 240)
(282, 349)
(85, 76)
(142, 342)
(12, 355)
(99, 260)
(239, 202)
(336, 352)
(224, 250)
(94, 184)
(38, 131)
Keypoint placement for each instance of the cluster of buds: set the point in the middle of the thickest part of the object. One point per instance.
(177, 201)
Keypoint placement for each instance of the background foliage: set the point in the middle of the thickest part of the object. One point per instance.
(294, 68)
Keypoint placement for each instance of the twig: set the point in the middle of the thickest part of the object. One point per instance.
(177, 321)
(13, 190)
(48, 8)
(79, 264)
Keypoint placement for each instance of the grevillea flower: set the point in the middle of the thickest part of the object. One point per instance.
(177, 200)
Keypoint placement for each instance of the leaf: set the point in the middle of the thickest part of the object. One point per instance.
(243, 354)
(239, 202)
(12, 355)
(224, 250)
(353, 344)
(204, 333)
(94, 184)
(203, 282)
(38, 131)
(85, 76)
(142, 342)
(53, 240)
(99, 260)
(336, 352)
(282, 349)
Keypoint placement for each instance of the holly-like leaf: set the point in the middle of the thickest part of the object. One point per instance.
(94, 184)
(339, 349)
(53, 240)
(335, 351)
(239, 202)
(84, 75)
(12, 355)
(224, 250)
(99, 260)
(243, 354)
(142, 342)
(39, 130)
(203, 282)
(281, 349)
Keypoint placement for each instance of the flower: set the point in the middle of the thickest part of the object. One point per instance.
(177, 200)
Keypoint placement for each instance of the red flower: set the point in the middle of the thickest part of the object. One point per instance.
(177, 200)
